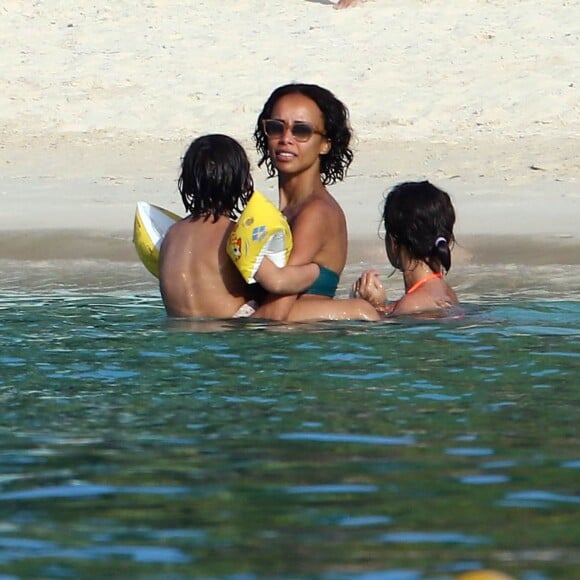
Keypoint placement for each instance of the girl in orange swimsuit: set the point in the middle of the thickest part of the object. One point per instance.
(419, 220)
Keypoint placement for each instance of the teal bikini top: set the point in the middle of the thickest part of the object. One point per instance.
(325, 284)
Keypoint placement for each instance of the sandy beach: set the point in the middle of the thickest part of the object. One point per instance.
(481, 97)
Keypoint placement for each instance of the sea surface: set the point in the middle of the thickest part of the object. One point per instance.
(132, 446)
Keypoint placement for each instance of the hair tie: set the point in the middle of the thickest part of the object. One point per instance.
(440, 240)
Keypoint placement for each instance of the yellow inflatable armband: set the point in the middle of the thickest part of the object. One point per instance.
(262, 231)
(151, 225)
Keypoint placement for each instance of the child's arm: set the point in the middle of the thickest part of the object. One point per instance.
(287, 280)
(368, 286)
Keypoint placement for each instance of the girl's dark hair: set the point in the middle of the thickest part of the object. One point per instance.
(215, 177)
(335, 163)
(421, 217)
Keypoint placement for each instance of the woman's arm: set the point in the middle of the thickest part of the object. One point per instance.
(336, 309)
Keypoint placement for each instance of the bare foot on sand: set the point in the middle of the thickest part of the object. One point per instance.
(345, 4)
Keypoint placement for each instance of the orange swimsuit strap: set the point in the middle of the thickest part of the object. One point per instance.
(420, 283)
(388, 308)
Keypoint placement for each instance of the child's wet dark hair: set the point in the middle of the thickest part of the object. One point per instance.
(335, 163)
(215, 177)
(420, 217)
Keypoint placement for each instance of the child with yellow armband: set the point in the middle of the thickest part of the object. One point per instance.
(196, 276)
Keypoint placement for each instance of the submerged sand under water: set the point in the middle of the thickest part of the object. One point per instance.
(66, 245)
(484, 267)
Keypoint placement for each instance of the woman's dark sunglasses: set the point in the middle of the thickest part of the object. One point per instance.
(301, 130)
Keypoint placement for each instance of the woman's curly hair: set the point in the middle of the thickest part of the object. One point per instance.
(334, 164)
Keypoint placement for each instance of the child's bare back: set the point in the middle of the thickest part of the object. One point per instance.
(197, 278)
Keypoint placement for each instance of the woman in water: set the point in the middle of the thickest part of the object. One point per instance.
(303, 136)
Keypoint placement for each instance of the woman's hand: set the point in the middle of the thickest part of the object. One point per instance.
(369, 287)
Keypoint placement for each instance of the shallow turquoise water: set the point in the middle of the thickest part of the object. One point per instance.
(132, 446)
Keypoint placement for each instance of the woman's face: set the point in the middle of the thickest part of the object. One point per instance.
(289, 153)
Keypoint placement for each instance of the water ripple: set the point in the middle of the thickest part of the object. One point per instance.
(432, 538)
(349, 438)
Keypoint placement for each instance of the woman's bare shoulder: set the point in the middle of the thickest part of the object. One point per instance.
(323, 209)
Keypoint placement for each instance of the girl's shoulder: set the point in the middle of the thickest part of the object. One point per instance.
(434, 298)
